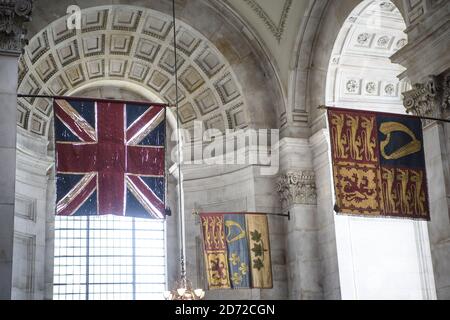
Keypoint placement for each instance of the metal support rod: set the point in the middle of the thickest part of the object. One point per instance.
(288, 215)
(180, 157)
(321, 107)
(43, 96)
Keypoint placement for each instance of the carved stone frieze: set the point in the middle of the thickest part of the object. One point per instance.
(13, 14)
(297, 187)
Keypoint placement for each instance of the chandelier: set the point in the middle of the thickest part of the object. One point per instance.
(183, 288)
(184, 291)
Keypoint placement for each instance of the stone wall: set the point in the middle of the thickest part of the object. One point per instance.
(305, 249)
(30, 259)
(232, 188)
(326, 233)
(12, 17)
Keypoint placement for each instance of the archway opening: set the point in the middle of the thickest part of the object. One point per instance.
(110, 257)
(223, 83)
(120, 52)
(378, 258)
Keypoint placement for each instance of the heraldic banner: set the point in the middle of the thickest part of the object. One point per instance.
(237, 250)
(109, 158)
(378, 164)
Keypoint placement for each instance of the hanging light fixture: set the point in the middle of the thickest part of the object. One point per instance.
(183, 291)
(183, 287)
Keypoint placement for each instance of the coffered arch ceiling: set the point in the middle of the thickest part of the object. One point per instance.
(132, 44)
(360, 72)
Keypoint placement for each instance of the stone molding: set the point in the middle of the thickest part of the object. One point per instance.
(26, 258)
(297, 187)
(419, 10)
(13, 14)
(431, 98)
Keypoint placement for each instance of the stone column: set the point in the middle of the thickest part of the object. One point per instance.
(297, 190)
(326, 229)
(432, 99)
(50, 235)
(172, 235)
(427, 64)
(12, 16)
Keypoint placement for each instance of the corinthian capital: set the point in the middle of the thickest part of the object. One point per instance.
(446, 91)
(431, 99)
(422, 99)
(297, 187)
(13, 14)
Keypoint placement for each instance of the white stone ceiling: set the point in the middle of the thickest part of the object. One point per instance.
(134, 45)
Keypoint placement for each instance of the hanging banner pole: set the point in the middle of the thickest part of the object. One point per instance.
(43, 96)
(288, 215)
(322, 107)
(180, 158)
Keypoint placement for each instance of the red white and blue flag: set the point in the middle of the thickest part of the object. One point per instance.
(110, 158)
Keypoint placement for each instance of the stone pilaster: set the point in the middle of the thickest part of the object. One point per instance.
(12, 16)
(296, 188)
(325, 222)
(432, 98)
(427, 64)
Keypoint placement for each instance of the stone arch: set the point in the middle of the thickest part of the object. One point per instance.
(360, 75)
(307, 90)
(224, 81)
(56, 62)
(133, 45)
(310, 63)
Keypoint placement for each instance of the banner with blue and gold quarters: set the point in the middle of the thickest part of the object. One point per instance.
(237, 250)
(378, 164)
(238, 255)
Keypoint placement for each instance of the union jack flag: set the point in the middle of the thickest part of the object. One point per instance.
(110, 158)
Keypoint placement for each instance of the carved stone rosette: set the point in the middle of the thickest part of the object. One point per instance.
(13, 14)
(430, 99)
(297, 187)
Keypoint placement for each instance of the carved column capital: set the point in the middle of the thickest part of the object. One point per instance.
(297, 187)
(446, 91)
(13, 14)
(431, 99)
